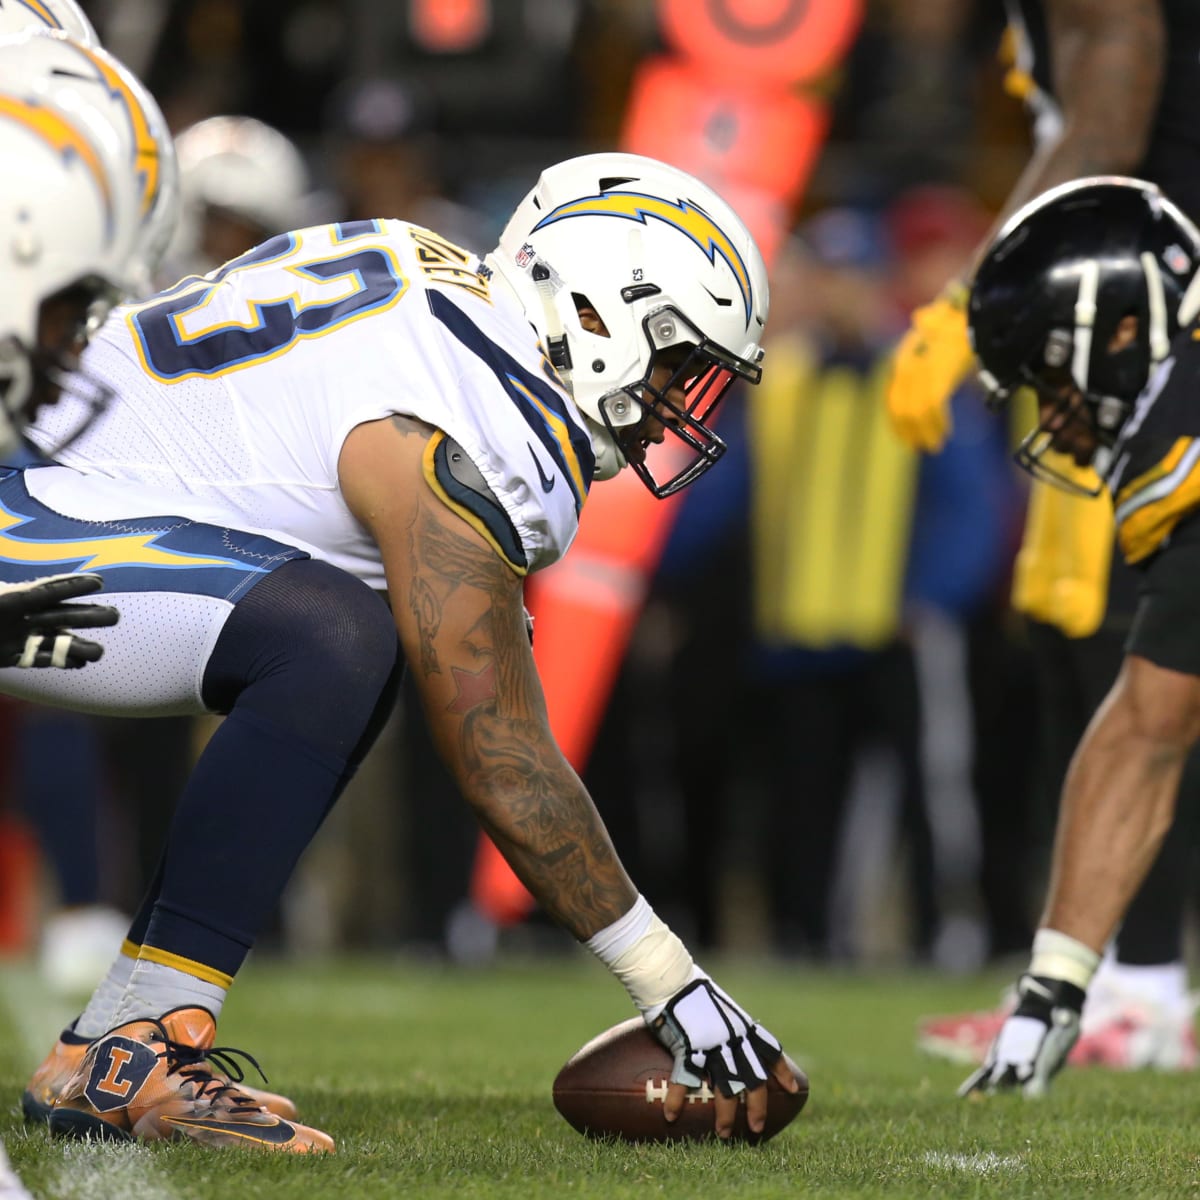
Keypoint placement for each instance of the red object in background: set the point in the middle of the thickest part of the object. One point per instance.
(449, 26)
(19, 876)
(776, 42)
(20, 856)
(724, 131)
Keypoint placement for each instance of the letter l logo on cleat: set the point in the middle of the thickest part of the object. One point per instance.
(119, 1070)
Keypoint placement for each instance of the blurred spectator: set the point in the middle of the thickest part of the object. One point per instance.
(905, 113)
(241, 182)
(975, 667)
(58, 779)
(831, 507)
(385, 161)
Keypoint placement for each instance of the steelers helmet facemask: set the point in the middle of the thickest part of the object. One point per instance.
(1078, 299)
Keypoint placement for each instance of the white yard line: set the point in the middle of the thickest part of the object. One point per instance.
(86, 1170)
(986, 1163)
(100, 1171)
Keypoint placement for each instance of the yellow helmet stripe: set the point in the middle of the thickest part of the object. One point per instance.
(40, 11)
(146, 164)
(62, 136)
(693, 222)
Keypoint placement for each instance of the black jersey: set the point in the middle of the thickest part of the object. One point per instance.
(1173, 157)
(1155, 473)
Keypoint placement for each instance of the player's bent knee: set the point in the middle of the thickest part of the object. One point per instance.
(311, 627)
(1162, 705)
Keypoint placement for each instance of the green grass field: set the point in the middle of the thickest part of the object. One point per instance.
(437, 1083)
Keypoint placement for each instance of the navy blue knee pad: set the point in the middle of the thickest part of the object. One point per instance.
(314, 651)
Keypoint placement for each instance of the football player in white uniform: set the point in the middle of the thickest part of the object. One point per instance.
(74, 213)
(343, 410)
(70, 216)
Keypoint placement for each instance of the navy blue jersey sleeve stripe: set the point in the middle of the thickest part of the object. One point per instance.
(506, 369)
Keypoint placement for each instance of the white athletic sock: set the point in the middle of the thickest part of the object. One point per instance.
(154, 989)
(1163, 984)
(97, 1017)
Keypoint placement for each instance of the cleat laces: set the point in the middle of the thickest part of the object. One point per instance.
(189, 1062)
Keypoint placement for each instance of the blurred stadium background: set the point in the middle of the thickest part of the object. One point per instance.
(799, 695)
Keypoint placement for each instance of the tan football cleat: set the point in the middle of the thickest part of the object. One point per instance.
(63, 1061)
(152, 1080)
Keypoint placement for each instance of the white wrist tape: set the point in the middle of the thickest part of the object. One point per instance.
(644, 955)
(1057, 956)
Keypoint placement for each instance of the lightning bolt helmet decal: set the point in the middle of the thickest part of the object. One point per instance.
(690, 219)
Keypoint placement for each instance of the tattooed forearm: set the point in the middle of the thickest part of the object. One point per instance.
(541, 818)
(423, 603)
(495, 729)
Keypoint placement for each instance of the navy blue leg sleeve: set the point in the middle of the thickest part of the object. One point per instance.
(307, 668)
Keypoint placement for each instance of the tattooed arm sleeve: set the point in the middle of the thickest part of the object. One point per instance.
(461, 619)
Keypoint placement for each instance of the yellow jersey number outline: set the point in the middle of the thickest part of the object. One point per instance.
(158, 325)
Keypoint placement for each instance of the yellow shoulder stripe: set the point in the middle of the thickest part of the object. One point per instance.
(460, 510)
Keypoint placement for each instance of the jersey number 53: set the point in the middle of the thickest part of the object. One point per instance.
(257, 306)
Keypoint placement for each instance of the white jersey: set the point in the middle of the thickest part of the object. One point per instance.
(233, 395)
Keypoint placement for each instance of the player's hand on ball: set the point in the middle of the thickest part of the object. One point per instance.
(36, 622)
(1034, 1041)
(712, 1038)
(933, 358)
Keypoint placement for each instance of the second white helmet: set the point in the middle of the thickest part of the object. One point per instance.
(63, 16)
(68, 225)
(240, 166)
(110, 98)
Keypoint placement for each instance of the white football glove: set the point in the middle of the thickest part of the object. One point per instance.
(1033, 1043)
(710, 1035)
(35, 622)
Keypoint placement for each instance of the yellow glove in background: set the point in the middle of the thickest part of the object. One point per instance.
(933, 358)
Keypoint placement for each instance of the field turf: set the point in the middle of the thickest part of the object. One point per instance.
(436, 1082)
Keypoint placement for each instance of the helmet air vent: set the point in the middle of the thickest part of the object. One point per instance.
(639, 291)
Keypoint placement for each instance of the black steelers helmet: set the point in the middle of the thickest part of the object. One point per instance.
(1054, 286)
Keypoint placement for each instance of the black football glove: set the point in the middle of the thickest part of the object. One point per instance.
(1033, 1043)
(35, 622)
(708, 1034)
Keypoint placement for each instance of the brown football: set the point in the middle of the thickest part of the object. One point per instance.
(616, 1084)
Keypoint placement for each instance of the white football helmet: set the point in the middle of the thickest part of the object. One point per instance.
(68, 226)
(86, 79)
(21, 16)
(674, 276)
(244, 167)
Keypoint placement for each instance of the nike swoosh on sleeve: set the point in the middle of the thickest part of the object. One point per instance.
(548, 482)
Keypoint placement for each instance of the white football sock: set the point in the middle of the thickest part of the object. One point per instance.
(97, 1017)
(1163, 984)
(154, 989)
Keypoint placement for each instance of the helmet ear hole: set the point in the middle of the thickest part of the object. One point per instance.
(589, 318)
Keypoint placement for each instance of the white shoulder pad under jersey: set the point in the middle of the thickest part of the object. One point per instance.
(234, 393)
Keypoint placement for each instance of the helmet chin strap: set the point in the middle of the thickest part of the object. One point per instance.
(609, 459)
